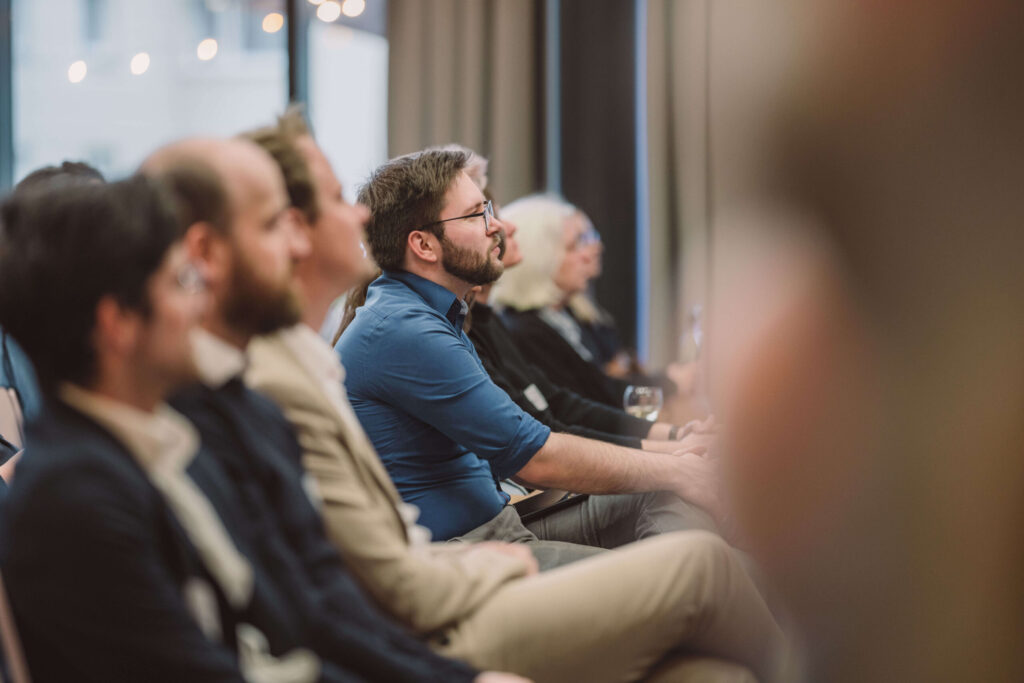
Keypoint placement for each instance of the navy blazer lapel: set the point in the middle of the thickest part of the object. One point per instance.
(178, 553)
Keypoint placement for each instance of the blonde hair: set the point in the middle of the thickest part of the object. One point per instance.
(541, 222)
(584, 309)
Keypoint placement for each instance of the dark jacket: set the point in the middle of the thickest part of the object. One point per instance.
(546, 349)
(95, 563)
(256, 446)
(566, 411)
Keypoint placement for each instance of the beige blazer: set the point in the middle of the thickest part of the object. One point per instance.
(429, 586)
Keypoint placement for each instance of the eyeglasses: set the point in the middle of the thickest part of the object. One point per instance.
(588, 237)
(487, 213)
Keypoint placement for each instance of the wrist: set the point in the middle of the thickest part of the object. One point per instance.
(659, 431)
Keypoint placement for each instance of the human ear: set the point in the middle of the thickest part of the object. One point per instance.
(424, 246)
(116, 327)
(208, 249)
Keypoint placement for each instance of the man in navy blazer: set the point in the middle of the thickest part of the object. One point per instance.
(127, 549)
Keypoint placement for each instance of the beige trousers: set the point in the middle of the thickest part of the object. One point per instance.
(653, 607)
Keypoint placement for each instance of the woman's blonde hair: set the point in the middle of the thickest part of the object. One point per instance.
(476, 166)
(541, 222)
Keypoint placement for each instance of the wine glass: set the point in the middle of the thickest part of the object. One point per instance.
(643, 402)
(697, 329)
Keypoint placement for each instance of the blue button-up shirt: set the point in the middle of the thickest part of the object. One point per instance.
(443, 429)
(16, 371)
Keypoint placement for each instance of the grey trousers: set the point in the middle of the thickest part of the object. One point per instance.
(611, 521)
(506, 526)
(599, 522)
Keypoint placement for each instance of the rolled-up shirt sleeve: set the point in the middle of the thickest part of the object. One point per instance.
(436, 375)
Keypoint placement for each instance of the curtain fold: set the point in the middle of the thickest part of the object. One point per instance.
(678, 130)
(466, 71)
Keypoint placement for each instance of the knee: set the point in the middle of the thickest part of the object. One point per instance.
(706, 547)
(706, 563)
(675, 514)
(691, 558)
(722, 672)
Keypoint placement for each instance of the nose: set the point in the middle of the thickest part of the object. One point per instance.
(363, 213)
(494, 225)
(510, 227)
(299, 245)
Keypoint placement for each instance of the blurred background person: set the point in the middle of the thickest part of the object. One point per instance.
(868, 338)
(544, 306)
(15, 370)
(20, 397)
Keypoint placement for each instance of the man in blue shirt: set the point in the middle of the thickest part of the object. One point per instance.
(444, 430)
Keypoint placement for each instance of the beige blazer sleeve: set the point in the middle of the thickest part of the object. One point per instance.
(427, 587)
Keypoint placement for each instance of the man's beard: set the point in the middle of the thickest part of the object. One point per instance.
(257, 307)
(471, 267)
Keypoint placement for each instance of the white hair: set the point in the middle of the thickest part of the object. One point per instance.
(540, 219)
(476, 166)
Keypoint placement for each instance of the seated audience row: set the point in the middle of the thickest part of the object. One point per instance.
(131, 550)
(442, 427)
(545, 305)
(167, 522)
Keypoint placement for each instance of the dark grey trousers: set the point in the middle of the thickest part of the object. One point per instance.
(506, 526)
(591, 526)
(611, 521)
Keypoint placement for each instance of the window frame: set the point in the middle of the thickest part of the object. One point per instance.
(6, 93)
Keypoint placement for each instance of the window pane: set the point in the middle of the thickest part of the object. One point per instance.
(107, 81)
(348, 91)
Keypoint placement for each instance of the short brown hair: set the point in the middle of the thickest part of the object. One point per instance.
(404, 194)
(99, 239)
(278, 140)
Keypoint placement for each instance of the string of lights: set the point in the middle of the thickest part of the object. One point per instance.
(328, 11)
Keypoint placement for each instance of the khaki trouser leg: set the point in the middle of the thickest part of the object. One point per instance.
(614, 617)
(699, 670)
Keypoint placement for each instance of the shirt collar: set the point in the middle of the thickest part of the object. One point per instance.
(437, 297)
(161, 440)
(218, 362)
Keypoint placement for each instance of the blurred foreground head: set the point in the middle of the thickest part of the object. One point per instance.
(89, 285)
(875, 391)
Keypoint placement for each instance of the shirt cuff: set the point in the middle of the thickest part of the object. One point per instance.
(528, 439)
